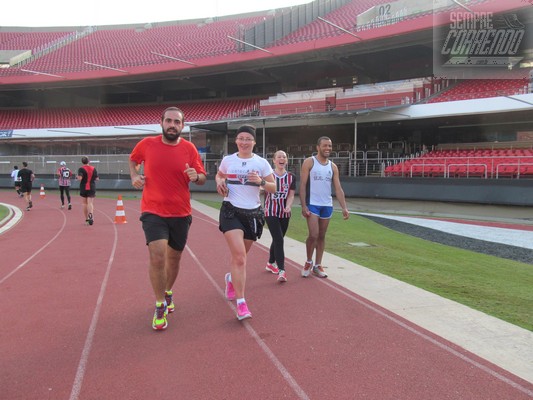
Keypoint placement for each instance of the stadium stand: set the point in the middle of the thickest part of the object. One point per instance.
(36, 41)
(485, 163)
(368, 86)
(342, 17)
(99, 50)
(121, 115)
(383, 94)
(300, 102)
(114, 47)
(482, 88)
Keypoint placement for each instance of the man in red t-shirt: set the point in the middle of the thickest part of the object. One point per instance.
(169, 164)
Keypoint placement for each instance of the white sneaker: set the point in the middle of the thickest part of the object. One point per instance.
(319, 271)
(308, 266)
(282, 276)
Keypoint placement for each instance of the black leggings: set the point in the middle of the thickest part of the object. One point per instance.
(64, 189)
(277, 227)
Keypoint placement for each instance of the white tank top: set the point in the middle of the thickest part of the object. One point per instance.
(319, 184)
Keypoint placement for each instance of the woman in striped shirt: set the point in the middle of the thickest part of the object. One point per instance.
(278, 213)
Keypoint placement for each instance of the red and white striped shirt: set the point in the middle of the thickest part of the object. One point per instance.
(65, 176)
(275, 202)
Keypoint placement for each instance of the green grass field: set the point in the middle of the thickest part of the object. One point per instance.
(498, 287)
(3, 212)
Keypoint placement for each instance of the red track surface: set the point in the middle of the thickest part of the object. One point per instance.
(75, 323)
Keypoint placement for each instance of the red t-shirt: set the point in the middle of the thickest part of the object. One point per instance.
(166, 187)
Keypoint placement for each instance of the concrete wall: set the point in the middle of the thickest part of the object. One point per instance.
(479, 191)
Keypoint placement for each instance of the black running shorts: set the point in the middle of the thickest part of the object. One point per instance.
(26, 187)
(173, 229)
(249, 221)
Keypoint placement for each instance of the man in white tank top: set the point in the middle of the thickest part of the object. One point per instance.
(317, 176)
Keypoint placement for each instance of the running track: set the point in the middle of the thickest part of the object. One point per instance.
(75, 323)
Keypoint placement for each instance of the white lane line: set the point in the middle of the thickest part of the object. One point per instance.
(269, 353)
(397, 320)
(511, 237)
(15, 215)
(434, 341)
(82, 366)
(5, 278)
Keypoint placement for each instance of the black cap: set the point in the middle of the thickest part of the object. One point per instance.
(248, 129)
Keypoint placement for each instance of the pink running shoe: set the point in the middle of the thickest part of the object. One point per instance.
(282, 276)
(243, 312)
(272, 268)
(230, 291)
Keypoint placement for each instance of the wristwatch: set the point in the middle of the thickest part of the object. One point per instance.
(263, 182)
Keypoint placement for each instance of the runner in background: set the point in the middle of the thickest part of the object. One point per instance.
(87, 175)
(64, 177)
(16, 180)
(26, 177)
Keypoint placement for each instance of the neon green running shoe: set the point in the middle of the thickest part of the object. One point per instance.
(169, 301)
(160, 317)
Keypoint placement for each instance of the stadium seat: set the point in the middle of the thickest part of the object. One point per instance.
(120, 115)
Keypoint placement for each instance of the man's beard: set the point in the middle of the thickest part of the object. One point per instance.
(323, 153)
(171, 136)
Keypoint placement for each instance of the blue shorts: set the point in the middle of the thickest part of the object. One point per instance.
(323, 212)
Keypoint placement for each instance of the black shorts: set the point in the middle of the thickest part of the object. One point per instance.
(87, 193)
(26, 187)
(173, 229)
(18, 184)
(251, 222)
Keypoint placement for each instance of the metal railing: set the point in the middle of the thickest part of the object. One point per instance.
(118, 164)
(461, 167)
(356, 164)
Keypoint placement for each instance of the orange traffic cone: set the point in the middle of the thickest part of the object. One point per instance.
(42, 192)
(120, 215)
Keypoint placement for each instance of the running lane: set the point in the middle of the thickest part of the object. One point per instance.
(76, 324)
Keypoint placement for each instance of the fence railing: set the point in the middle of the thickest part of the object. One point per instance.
(355, 164)
(462, 167)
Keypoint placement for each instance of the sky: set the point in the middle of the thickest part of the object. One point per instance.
(46, 13)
